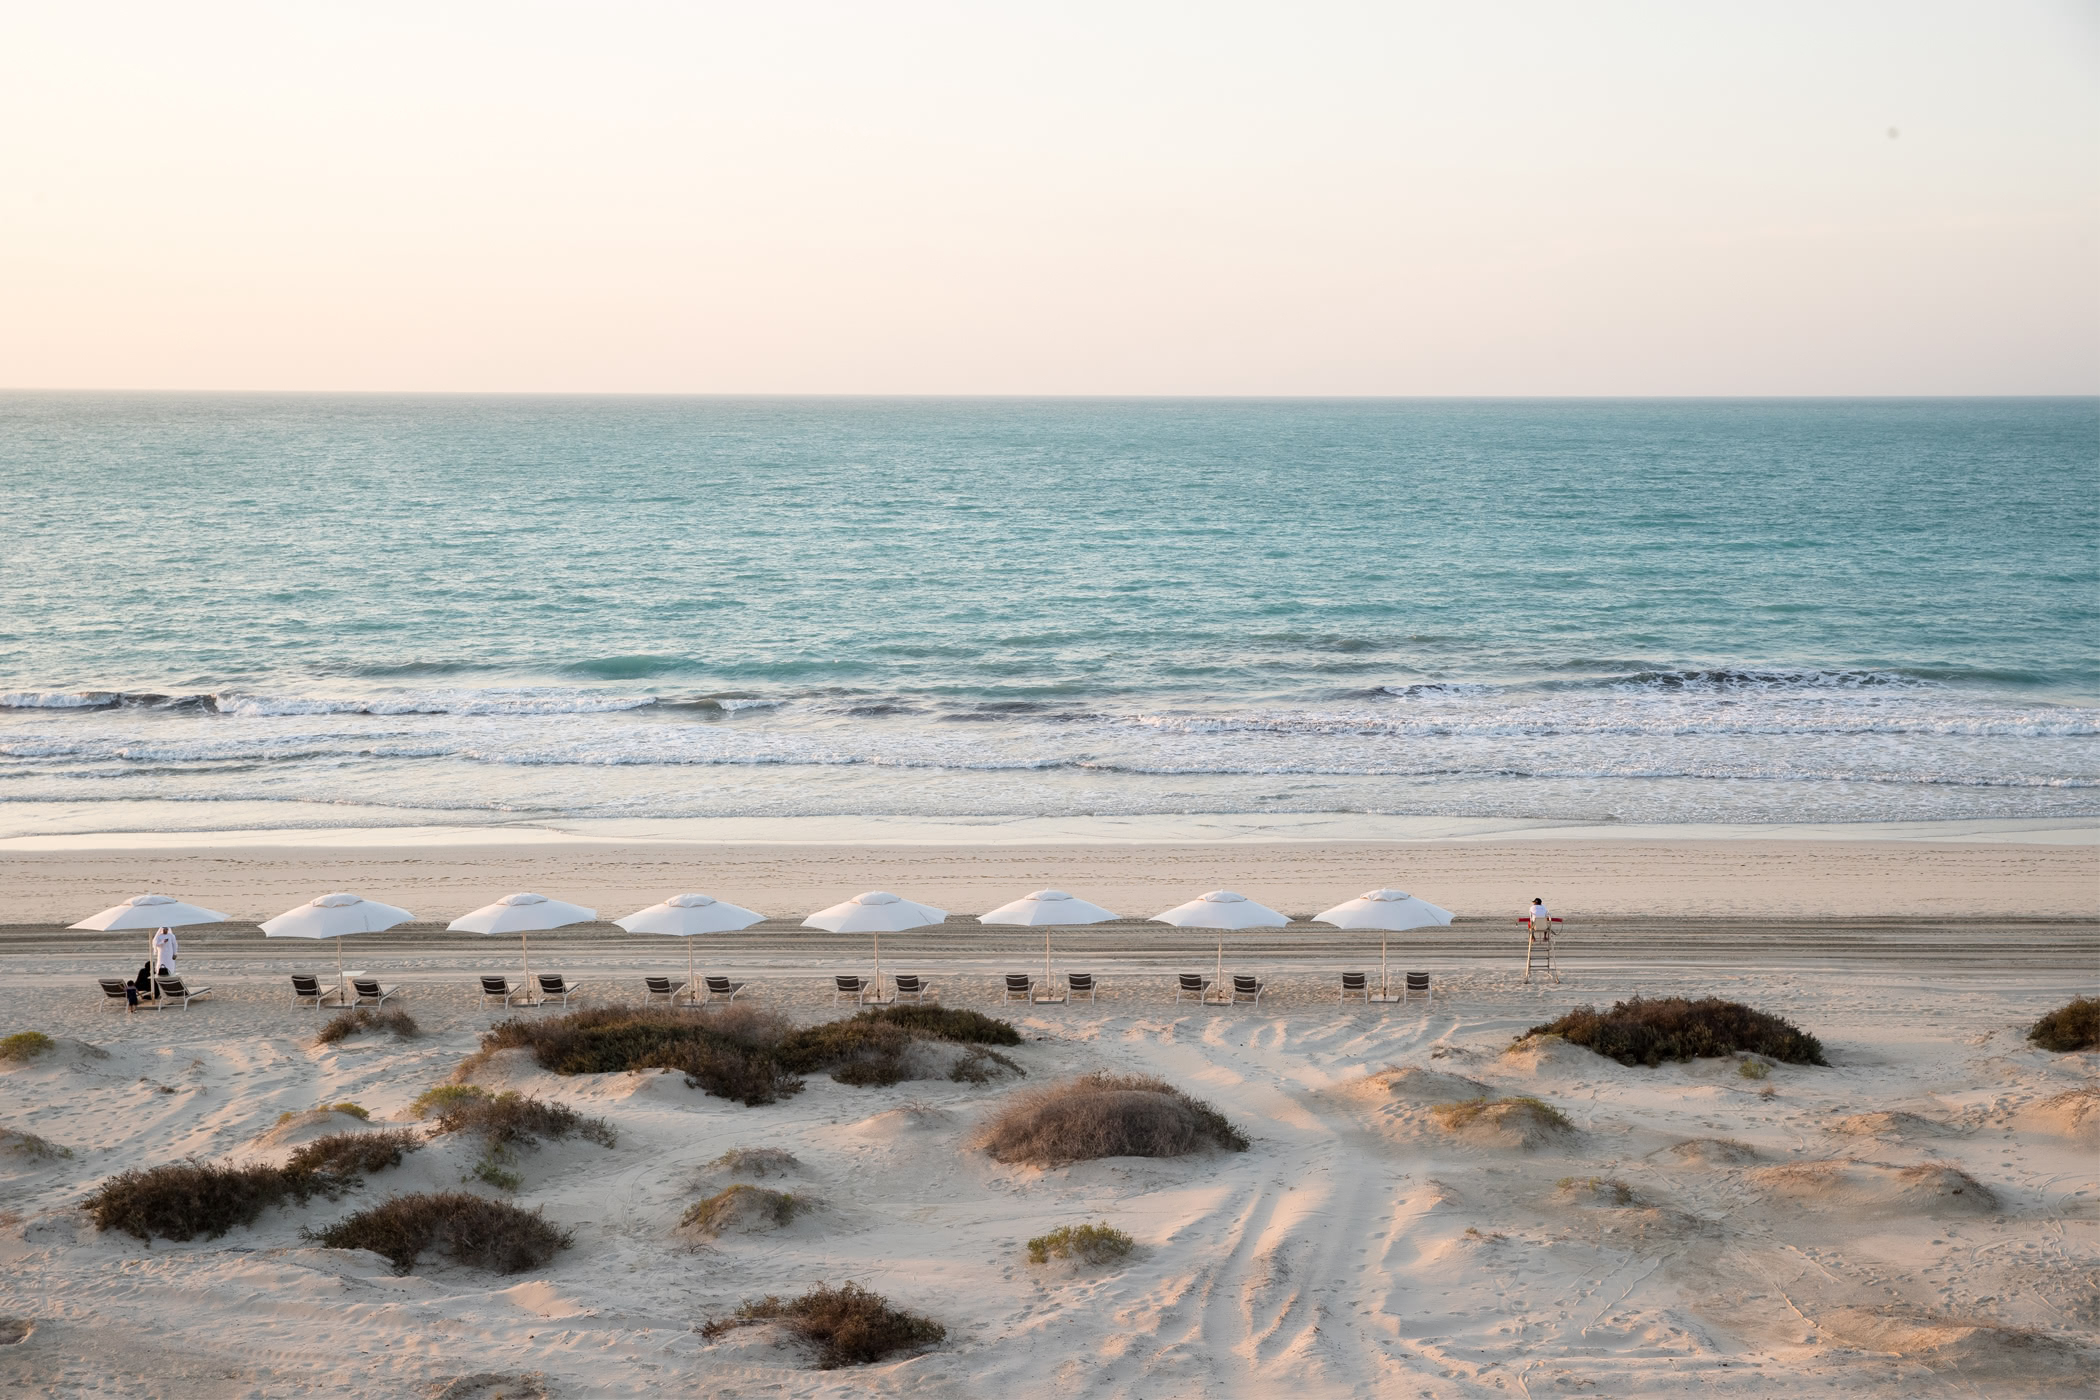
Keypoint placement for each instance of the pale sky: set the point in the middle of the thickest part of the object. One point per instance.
(1118, 198)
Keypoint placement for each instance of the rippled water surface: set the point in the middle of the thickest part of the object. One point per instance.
(468, 608)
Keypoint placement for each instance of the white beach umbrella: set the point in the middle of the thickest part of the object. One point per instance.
(1047, 909)
(152, 911)
(1394, 911)
(1221, 910)
(522, 914)
(687, 915)
(335, 916)
(877, 912)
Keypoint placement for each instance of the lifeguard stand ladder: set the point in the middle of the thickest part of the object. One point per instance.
(1540, 933)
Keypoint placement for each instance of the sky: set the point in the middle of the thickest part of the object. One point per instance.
(1118, 198)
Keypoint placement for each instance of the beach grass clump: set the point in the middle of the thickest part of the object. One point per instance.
(848, 1325)
(756, 1161)
(727, 1207)
(2073, 1026)
(348, 1023)
(1754, 1069)
(436, 1100)
(1467, 1112)
(1104, 1115)
(38, 1149)
(1088, 1244)
(472, 1230)
(23, 1046)
(1647, 1031)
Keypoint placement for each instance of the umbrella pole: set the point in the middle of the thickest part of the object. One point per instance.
(1219, 983)
(690, 975)
(341, 982)
(525, 948)
(878, 965)
(1385, 980)
(1046, 962)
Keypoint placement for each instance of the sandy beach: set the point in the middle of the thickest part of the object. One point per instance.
(1919, 1218)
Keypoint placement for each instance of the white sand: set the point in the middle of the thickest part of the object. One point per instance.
(1358, 1249)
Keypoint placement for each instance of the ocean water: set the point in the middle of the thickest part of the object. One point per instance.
(470, 610)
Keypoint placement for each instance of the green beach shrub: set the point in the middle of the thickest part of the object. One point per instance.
(1648, 1031)
(25, 1045)
(473, 1230)
(848, 1325)
(1089, 1244)
(722, 1210)
(2073, 1026)
(1104, 1115)
(438, 1099)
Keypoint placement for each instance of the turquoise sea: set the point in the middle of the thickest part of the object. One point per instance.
(445, 609)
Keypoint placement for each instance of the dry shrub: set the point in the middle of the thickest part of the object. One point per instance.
(848, 1325)
(473, 1230)
(728, 1207)
(1470, 1111)
(2073, 1026)
(743, 1052)
(354, 1154)
(1089, 1244)
(1647, 1032)
(511, 1120)
(728, 1054)
(1597, 1191)
(1104, 1115)
(183, 1200)
(946, 1023)
(25, 1045)
(364, 1018)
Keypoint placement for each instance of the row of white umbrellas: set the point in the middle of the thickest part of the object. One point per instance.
(687, 915)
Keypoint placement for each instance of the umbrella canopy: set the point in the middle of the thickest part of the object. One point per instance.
(334, 916)
(1221, 910)
(686, 915)
(522, 914)
(1393, 910)
(152, 911)
(877, 912)
(1046, 909)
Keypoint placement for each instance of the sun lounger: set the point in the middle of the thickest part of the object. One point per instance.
(312, 991)
(369, 992)
(724, 988)
(174, 991)
(1079, 984)
(1355, 984)
(1416, 982)
(915, 987)
(1019, 987)
(114, 992)
(553, 988)
(1245, 988)
(846, 985)
(1191, 984)
(654, 987)
(498, 989)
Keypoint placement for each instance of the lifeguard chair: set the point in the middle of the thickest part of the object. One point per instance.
(1539, 944)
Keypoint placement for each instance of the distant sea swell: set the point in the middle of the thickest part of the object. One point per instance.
(1809, 612)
